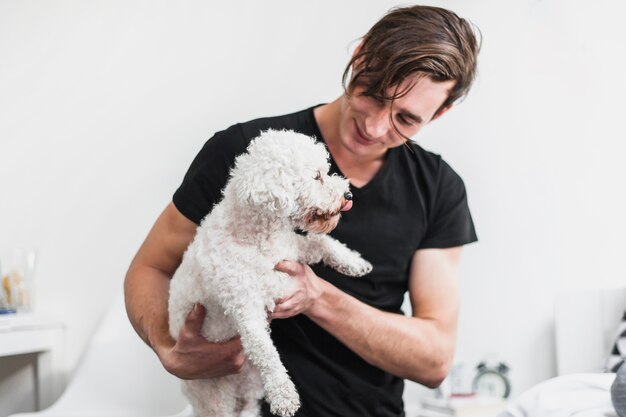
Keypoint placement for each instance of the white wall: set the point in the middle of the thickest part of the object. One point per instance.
(104, 104)
(542, 157)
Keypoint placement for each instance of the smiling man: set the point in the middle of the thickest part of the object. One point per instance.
(345, 342)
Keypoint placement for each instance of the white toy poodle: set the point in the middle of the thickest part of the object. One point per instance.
(279, 185)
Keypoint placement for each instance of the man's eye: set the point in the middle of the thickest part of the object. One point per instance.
(404, 120)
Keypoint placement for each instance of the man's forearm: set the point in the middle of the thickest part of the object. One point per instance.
(409, 347)
(146, 292)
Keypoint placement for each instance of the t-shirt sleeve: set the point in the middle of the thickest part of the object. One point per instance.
(205, 179)
(449, 222)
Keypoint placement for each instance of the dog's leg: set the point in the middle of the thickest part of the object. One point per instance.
(250, 391)
(280, 392)
(315, 247)
(212, 397)
(251, 321)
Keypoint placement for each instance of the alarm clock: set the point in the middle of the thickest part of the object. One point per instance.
(492, 380)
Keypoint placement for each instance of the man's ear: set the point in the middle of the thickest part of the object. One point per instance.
(356, 52)
(441, 112)
(358, 48)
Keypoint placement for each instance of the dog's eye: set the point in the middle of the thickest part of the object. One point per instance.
(318, 176)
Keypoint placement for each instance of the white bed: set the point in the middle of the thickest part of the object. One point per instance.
(586, 324)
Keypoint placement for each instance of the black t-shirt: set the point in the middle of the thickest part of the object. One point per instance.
(415, 201)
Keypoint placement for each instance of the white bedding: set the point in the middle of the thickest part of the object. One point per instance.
(579, 395)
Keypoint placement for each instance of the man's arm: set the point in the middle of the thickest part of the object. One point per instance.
(146, 290)
(419, 348)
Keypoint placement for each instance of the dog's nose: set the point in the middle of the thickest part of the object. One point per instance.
(347, 195)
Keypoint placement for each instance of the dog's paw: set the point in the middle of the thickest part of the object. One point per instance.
(356, 267)
(284, 401)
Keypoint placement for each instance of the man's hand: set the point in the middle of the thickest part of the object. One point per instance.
(193, 357)
(309, 287)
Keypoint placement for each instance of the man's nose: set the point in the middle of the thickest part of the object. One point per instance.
(377, 124)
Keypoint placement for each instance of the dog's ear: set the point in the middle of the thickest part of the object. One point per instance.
(262, 186)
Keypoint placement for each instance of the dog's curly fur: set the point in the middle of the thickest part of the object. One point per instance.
(280, 184)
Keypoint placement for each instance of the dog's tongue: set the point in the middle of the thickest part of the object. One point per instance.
(347, 206)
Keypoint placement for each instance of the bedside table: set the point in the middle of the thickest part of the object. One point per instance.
(462, 407)
(26, 333)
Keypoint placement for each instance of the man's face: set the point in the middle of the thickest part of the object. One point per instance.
(365, 125)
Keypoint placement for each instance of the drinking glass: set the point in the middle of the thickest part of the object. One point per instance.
(17, 273)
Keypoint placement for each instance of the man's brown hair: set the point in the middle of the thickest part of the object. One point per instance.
(418, 40)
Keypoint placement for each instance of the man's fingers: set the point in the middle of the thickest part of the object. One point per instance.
(289, 267)
(194, 321)
(286, 309)
(286, 305)
(196, 315)
(234, 355)
(284, 314)
(234, 343)
(283, 300)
